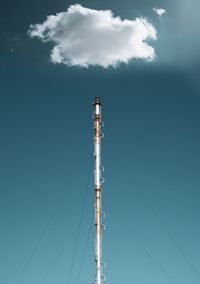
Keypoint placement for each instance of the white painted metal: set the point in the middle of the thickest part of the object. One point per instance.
(97, 166)
(97, 109)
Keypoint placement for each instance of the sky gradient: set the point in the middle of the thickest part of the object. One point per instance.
(150, 153)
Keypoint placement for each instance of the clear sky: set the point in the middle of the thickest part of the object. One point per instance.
(151, 153)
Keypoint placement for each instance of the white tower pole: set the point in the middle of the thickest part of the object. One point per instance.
(98, 188)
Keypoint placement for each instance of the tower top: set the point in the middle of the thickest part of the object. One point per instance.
(97, 101)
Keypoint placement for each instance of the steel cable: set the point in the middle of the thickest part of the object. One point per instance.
(38, 242)
(84, 251)
(165, 228)
(55, 259)
(154, 260)
(80, 221)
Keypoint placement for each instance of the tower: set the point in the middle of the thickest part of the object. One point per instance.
(98, 180)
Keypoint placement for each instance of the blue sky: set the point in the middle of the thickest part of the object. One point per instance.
(150, 153)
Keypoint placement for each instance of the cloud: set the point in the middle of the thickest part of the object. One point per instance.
(159, 12)
(84, 37)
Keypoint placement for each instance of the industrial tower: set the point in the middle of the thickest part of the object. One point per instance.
(98, 180)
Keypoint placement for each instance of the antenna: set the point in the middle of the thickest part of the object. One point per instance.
(98, 180)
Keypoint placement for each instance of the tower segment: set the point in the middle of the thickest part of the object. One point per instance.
(98, 180)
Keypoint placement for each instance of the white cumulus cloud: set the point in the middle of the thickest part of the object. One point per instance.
(84, 37)
(159, 12)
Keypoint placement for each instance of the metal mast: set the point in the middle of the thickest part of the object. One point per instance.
(98, 187)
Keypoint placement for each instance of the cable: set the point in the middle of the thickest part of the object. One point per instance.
(56, 258)
(162, 269)
(38, 242)
(113, 281)
(80, 222)
(58, 255)
(85, 250)
(160, 221)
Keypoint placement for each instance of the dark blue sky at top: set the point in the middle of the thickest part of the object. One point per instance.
(150, 152)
